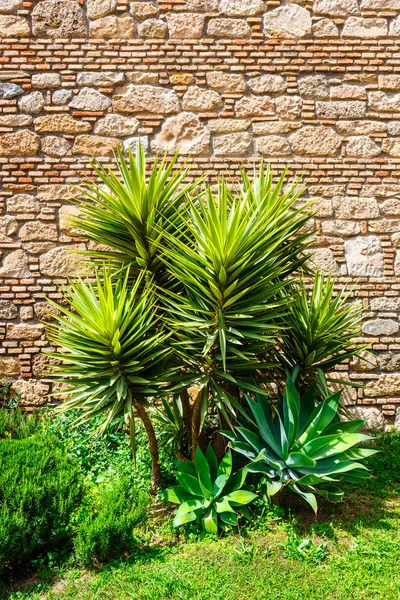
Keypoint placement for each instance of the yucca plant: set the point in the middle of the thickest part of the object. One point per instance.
(301, 445)
(232, 258)
(209, 492)
(112, 353)
(169, 413)
(322, 329)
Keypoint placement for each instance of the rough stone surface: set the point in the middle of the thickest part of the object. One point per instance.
(113, 27)
(389, 361)
(100, 8)
(10, 90)
(289, 107)
(12, 26)
(379, 327)
(91, 100)
(55, 146)
(231, 28)
(9, 6)
(349, 109)
(254, 106)
(380, 101)
(184, 132)
(143, 10)
(232, 144)
(37, 231)
(386, 385)
(314, 86)
(146, 98)
(309, 140)
(22, 331)
(375, 418)
(355, 208)
(8, 310)
(46, 80)
(116, 126)
(325, 28)
(61, 123)
(241, 8)
(95, 145)
(199, 99)
(153, 28)
(364, 256)
(290, 21)
(21, 143)
(358, 27)
(267, 84)
(362, 146)
(61, 97)
(58, 19)
(336, 8)
(364, 361)
(60, 263)
(32, 103)
(15, 264)
(32, 392)
(100, 78)
(183, 26)
(9, 367)
(273, 145)
(226, 82)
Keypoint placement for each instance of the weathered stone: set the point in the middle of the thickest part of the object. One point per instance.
(226, 82)
(19, 143)
(15, 265)
(38, 231)
(58, 19)
(183, 132)
(91, 100)
(46, 80)
(100, 8)
(347, 91)
(380, 327)
(55, 192)
(10, 90)
(324, 207)
(231, 28)
(394, 28)
(241, 8)
(132, 142)
(65, 213)
(396, 240)
(231, 144)
(384, 226)
(100, 78)
(272, 145)
(319, 141)
(144, 77)
(9, 367)
(391, 208)
(389, 82)
(61, 124)
(375, 418)
(267, 83)
(289, 107)
(22, 203)
(8, 228)
(60, 262)
(61, 97)
(364, 256)
(153, 28)
(389, 361)
(358, 27)
(143, 10)
(324, 28)
(254, 106)
(184, 26)
(12, 26)
(147, 98)
(391, 146)
(360, 127)
(385, 304)
(347, 109)
(55, 146)
(364, 361)
(22, 331)
(9, 6)
(228, 125)
(113, 27)
(32, 392)
(341, 228)
(380, 4)
(274, 127)
(202, 5)
(200, 99)
(182, 78)
(95, 145)
(8, 310)
(325, 261)
(386, 385)
(32, 103)
(44, 311)
(381, 102)
(362, 146)
(290, 21)
(397, 263)
(327, 190)
(355, 208)
(15, 120)
(383, 190)
(42, 365)
(116, 125)
(314, 86)
(336, 8)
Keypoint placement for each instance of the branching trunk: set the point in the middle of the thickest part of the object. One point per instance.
(153, 446)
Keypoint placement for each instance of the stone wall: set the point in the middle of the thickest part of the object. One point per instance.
(312, 84)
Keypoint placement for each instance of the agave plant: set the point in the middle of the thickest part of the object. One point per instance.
(322, 331)
(301, 445)
(209, 492)
(112, 357)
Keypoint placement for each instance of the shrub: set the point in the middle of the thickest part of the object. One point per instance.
(39, 489)
(301, 445)
(16, 424)
(105, 527)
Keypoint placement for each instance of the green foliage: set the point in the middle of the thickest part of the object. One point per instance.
(170, 418)
(39, 489)
(322, 327)
(209, 492)
(305, 549)
(16, 424)
(105, 527)
(302, 446)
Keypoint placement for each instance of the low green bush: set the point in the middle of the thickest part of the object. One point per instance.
(17, 424)
(105, 525)
(40, 487)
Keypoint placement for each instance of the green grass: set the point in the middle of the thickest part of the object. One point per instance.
(352, 553)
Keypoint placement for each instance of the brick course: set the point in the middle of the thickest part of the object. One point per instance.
(315, 85)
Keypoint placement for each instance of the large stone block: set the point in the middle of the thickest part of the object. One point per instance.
(223, 82)
(290, 21)
(32, 392)
(273, 145)
(358, 27)
(61, 123)
(362, 146)
(15, 265)
(325, 261)
(100, 8)
(200, 99)
(255, 106)
(146, 98)
(36, 231)
(336, 8)
(317, 141)
(355, 208)
(95, 145)
(230, 28)
(113, 27)
(346, 109)
(183, 132)
(60, 262)
(12, 26)
(267, 84)
(100, 78)
(58, 19)
(380, 327)
(386, 385)
(241, 8)
(231, 144)
(374, 416)
(314, 86)
(91, 100)
(153, 29)
(55, 146)
(116, 125)
(8, 310)
(9, 367)
(19, 143)
(185, 25)
(24, 331)
(364, 256)
(381, 102)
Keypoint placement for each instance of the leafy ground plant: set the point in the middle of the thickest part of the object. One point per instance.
(209, 492)
(301, 445)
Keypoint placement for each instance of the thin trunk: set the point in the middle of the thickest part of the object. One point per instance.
(153, 446)
(196, 412)
(187, 415)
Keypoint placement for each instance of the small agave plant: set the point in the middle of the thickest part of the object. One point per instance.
(301, 445)
(209, 492)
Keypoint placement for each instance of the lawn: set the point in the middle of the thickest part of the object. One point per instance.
(350, 552)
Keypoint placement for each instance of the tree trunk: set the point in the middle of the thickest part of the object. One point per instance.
(196, 422)
(187, 415)
(153, 446)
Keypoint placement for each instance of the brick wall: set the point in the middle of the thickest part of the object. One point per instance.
(312, 84)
